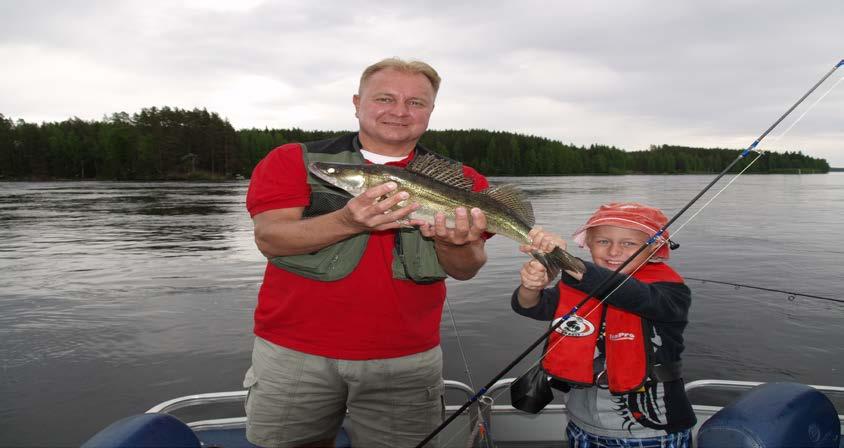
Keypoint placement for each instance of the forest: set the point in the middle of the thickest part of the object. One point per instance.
(171, 143)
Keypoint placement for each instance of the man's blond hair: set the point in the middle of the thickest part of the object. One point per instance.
(402, 66)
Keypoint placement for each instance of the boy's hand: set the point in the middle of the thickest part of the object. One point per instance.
(542, 241)
(534, 276)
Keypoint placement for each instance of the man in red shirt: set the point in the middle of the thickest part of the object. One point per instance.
(368, 341)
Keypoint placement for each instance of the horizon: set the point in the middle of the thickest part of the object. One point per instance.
(107, 117)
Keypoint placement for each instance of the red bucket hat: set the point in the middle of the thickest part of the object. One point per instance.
(628, 215)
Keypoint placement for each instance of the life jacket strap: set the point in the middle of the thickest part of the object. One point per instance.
(661, 373)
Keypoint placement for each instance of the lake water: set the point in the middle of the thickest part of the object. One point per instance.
(117, 296)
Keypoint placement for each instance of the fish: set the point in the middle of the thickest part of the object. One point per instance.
(439, 185)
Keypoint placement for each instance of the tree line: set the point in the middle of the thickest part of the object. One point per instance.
(173, 143)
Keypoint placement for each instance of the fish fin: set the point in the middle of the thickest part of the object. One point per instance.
(558, 260)
(442, 170)
(515, 199)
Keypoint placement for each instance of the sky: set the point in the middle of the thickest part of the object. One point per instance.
(630, 74)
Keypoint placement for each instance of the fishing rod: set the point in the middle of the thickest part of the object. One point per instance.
(791, 295)
(607, 285)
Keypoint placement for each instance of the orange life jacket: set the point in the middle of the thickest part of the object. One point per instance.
(569, 357)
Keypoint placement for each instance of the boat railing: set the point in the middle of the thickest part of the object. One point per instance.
(170, 406)
(746, 385)
(456, 389)
(457, 386)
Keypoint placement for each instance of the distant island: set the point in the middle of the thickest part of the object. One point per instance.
(171, 143)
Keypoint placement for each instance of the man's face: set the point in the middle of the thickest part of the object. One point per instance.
(393, 109)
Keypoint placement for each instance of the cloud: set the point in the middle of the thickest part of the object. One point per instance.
(628, 74)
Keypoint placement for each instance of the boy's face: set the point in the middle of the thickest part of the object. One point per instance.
(611, 246)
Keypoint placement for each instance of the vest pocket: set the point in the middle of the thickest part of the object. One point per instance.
(414, 258)
(327, 264)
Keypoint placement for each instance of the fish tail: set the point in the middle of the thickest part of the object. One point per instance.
(559, 260)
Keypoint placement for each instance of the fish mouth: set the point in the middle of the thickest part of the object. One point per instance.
(348, 177)
(315, 168)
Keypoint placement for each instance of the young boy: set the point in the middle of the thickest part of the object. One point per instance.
(618, 360)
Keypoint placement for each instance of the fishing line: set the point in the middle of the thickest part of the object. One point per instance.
(761, 151)
(459, 343)
(791, 294)
(604, 286)
(812, 106)
(481, 424)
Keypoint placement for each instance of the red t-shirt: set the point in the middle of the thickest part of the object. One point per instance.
(365, 315)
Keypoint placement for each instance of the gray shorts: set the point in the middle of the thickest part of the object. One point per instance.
(296, 398)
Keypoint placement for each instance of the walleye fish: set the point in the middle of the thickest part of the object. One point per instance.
(438, 185)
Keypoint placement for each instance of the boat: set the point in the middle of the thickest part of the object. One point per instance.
(762, 415)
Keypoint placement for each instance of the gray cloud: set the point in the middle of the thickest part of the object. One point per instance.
(629, 74)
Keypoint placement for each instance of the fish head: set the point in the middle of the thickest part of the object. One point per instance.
(346, 176)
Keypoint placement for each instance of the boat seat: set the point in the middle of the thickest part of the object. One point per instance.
(146, 430)
(774, 415)
(165, 431)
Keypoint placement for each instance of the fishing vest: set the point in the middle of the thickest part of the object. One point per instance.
(414, 257)
(626, 337)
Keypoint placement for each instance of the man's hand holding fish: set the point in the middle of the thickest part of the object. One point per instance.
(453, 244)
(377, 208)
